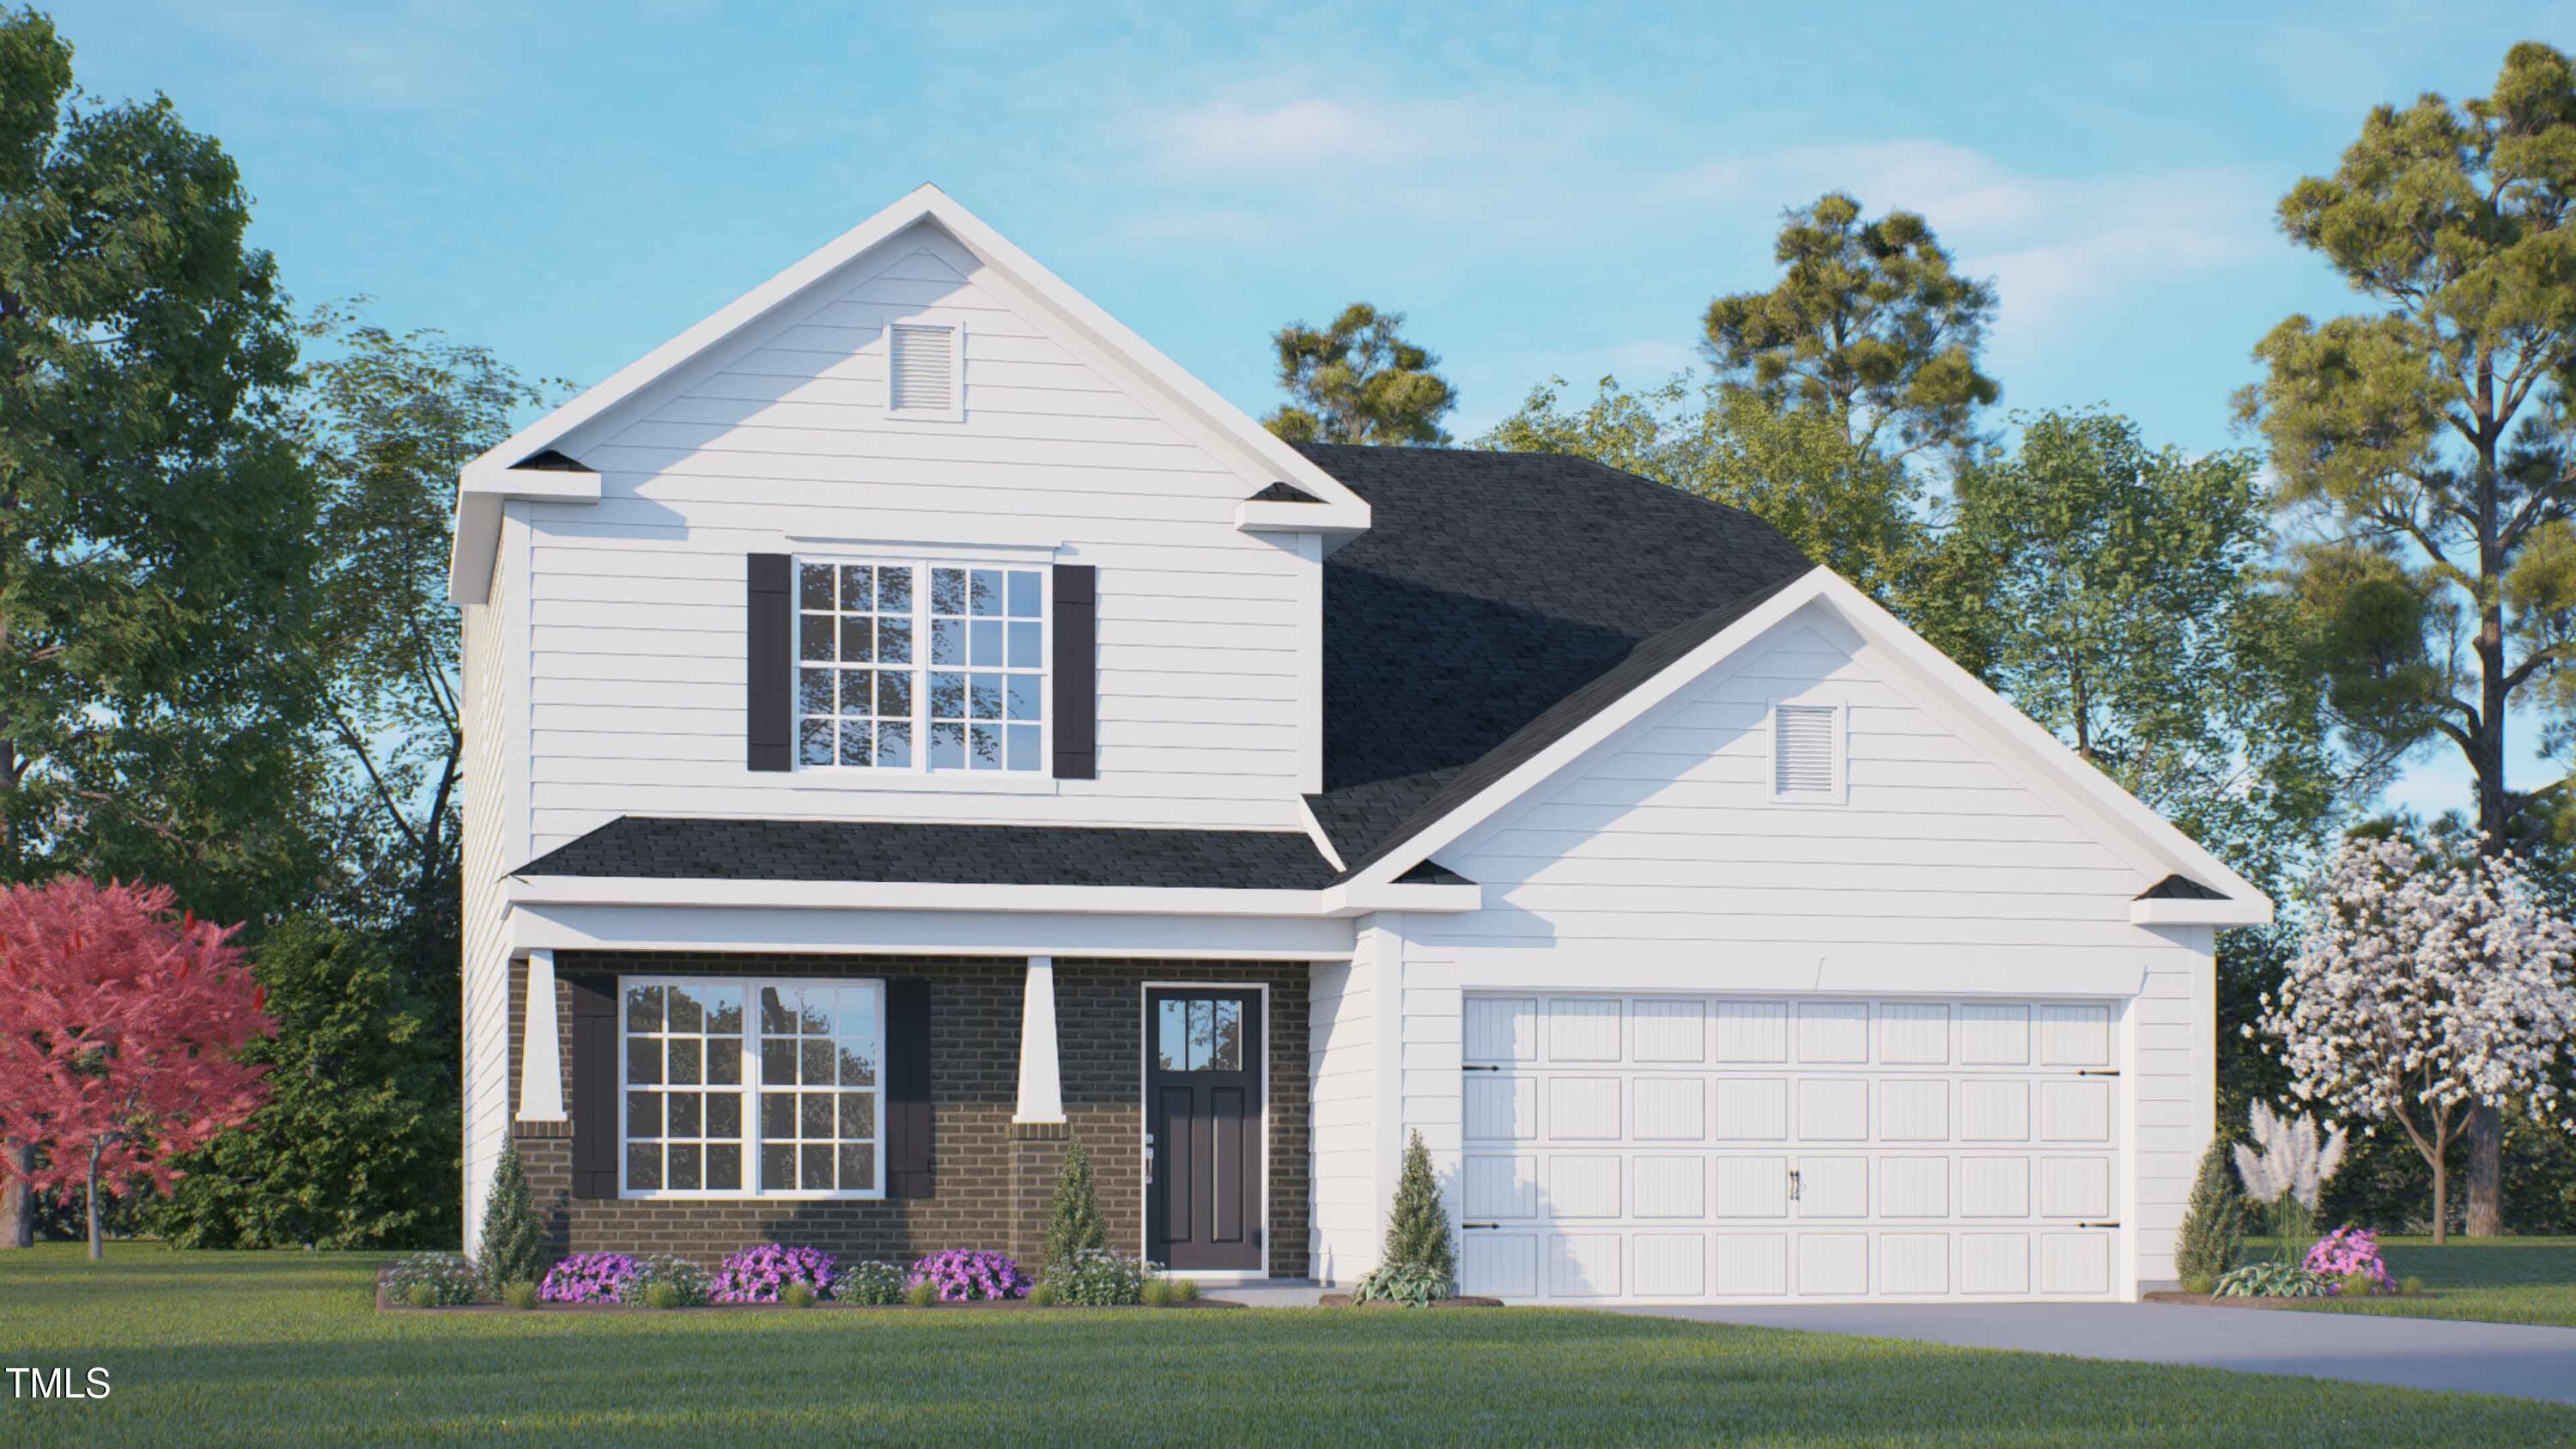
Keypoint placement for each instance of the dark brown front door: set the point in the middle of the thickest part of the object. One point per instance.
(1203, 1208)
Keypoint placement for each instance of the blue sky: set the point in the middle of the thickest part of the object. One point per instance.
(1545, 189)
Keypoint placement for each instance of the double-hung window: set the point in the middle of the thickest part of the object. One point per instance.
(920, 666)
(738, 1088)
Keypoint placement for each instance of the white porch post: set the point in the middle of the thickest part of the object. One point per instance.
(540, 1057)
(1041, 1085)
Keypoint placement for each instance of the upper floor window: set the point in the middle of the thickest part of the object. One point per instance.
(871, 695)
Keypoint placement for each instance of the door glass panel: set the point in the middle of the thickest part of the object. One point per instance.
(1171, 1035)
(1202, 1033)
(1227, 1052)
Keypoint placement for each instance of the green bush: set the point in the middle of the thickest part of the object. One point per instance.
(666, 1276)
(872, 1283)
(516, 1248)
(1417, 1266)
(432, 1280)
(2273, 1279)
(520, 1295)
(1170, 1292)
(2213, 1221)
(1410, 1284)
(1074, 1223)
(799, 1294)
(924, 1294)
(1044, 1295)
(1099, 1278)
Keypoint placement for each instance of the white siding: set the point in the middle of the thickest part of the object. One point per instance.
(1341, 1047)
(636, 601)
(1660, 851)
(489, 757)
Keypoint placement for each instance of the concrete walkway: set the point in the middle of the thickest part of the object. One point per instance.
(2417, 1353)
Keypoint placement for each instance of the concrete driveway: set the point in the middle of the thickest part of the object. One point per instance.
(2417, 1353)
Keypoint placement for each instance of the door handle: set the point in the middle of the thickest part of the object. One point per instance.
(1793, 1186)
(1149, 1159)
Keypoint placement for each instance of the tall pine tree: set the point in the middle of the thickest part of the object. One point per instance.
(1074, 1223)
(1417, 1230)
(515, 1244)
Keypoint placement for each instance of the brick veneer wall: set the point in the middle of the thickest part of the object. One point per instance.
(993, 1179)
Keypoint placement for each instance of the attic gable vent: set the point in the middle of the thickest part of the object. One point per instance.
(1807, 752)
(922, 370)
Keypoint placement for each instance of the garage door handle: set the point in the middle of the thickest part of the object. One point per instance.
(2097, 1225)
(1793, 1187)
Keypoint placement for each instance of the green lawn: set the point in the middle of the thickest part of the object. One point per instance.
(214, 1348)
(2497, 1280)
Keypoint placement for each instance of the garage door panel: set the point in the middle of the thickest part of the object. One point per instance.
(1993, 1035)
(1750, 1031)
(1500, 1185)
(1833, 1109)
(1670, 1109)
(1500, 1265)
(2075, 1263)
(1914, 1187)
(1669, 1031)
(1584, 1265)
(1752, 1265)
(1831, 1187)
(1583, 1109)
(1833, 1032)
(2075, 1111)
(1501, 1029)
(1752, 1109)
(1752, 1187)
(1581, 1185)
(1914, 1109)
(1832, 1264)
(1994, 1110)
(1994, 1187)
(1994, 1263)
(1914, 1263)
(2075, 1036)
(1670, 1187)
(1500, 1109)
(1913, 1033)
(1669, 1265)
(2074, 1187)
(1583, 1029)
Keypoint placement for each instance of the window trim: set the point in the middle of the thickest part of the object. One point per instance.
(955, 412)
(919, 774)
(1839, 793)
(752, 1086)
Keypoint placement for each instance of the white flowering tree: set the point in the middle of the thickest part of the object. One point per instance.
(2431, 982)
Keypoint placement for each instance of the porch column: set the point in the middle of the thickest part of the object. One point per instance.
(540, 1052)
(1041, 1084)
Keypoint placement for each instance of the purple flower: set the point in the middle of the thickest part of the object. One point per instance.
(761, 1274)
(969, 1275)
(590, 1278)
(2345, 1252)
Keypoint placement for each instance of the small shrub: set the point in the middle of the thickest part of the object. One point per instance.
(2273, 1279)
(1074, 1223)
(432, 1280)
(520, 1295)
(1044, 1295)
(2410, 1285)
(922, 1294)
(515, 1246)
(1410, 1284)
(687, 1282)
(662, 1295)
(872, 1283)
(972, 1275)
(1417, 1229)
(590, 1278)
(1099, 1278)
(758, 1275)
(1171, 1292)
(2213, 1222)
(797, 1295)
(2199, 1283)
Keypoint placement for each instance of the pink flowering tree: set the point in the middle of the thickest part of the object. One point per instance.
(121, 1028)
(2430, 982)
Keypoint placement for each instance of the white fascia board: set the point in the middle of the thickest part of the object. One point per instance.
(480, 491)
(681, 927)
(1268, 515)
(1341, 509)
(1332, 902)
(2150, 840)
(2230, 912)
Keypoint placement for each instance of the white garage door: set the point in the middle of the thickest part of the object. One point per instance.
(1748, 1148)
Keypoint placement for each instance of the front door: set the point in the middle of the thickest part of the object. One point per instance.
(1203, 1207)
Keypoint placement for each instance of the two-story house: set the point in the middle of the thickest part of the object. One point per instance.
(913, 725)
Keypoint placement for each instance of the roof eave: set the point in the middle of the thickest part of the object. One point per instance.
(481, 490)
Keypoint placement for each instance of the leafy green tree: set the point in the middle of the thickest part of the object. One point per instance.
(1417, 1228)
(2139, 623)
(2435, 433)
(356, 1146)
(156, 517)
(1358, 381)
(1869, 327)
(1074, 1221)
(1845, 505)
(516, 1246)
(389, 420)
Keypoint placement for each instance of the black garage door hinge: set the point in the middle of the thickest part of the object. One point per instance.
(1473, 1227)
(2097, 1225)
(1480, 1069)
(2098, 1072)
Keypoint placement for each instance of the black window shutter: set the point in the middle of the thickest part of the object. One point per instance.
(594, 1086)
(1077, 671)
(769, 661)
(910, 1125)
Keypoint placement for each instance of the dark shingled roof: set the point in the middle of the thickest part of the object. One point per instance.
(551, 461)
(1284, 493)
(927, 854)
(2179, 888)
(1497, 601)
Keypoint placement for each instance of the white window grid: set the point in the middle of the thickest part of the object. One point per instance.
(912, 666)
(805, 1099)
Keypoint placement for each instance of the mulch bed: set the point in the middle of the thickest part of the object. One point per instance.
(1343, 1300)
(2204, 1300)
(1011, 1305)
